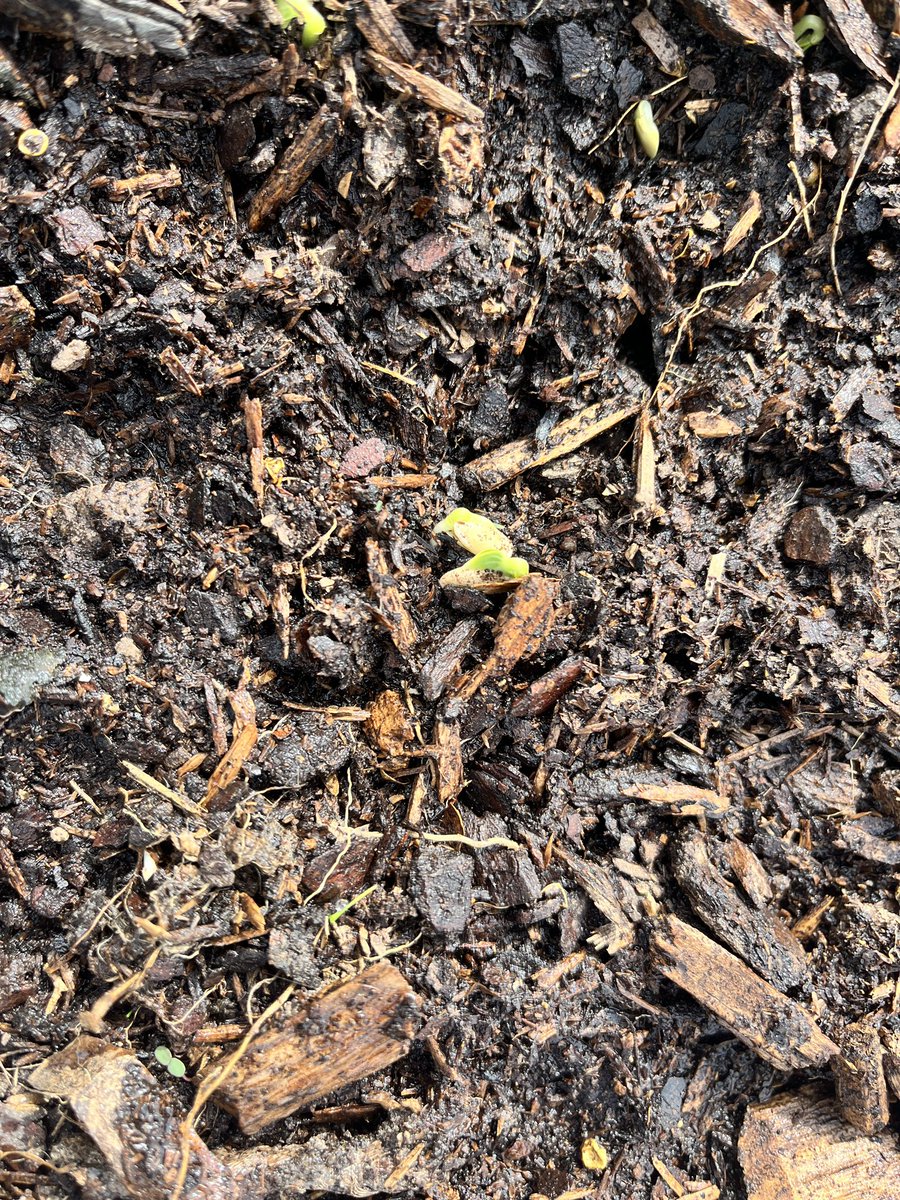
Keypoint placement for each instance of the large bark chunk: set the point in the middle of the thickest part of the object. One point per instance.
(344, 1034)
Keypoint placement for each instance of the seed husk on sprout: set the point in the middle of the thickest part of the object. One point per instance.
(490, 571)
(646, 129)
(474, 532)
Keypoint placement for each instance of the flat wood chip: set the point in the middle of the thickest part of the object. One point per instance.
(525, 621)
(391, 605)
(429, 91)
(770, 1023)
(499, 466)
(343, 1034)
(296, 165)
(797, 1147)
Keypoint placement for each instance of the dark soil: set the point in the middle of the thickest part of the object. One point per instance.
(434, 291)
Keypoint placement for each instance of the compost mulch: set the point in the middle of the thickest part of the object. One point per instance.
(318, 877)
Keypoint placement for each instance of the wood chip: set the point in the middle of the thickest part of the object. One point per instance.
(770, 1023)
(384, 33)
(683, 799)
(139, 185)
(499, 466)
(711, 425)
(133, 1120)
(547, 690)
(389, 726)
(750, 213)
(525, 621)
(448, 761)
(859, 1078)
(871, 685)
(659, 42)
(253, 426)
(855, 30)
(429, 91)
(797, 1147)
(391, 605)
(345, 1033)
(230, 765)
(761, 938)
(753, 23)
(296, 165)
(16, 319)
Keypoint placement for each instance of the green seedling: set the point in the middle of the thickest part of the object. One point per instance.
(646, 129)
(489, 571)
(809, 31)
(474, 532)
(167, 1059)
(302, 10)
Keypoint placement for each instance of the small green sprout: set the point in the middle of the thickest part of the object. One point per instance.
(302, 10)
(646, 129)
(474, 532)
(167, 1059)
(496, 560)
(809, 31)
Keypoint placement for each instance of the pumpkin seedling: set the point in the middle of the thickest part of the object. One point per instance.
(490, 571)
(809, 31)
(646, 129)
(474, 532)
(167, 1059)
(302, 10)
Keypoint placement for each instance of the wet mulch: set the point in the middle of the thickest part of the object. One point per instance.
(318, 875)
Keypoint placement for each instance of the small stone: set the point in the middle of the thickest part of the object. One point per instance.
(812, 536)
(72, 357)
(129, 649)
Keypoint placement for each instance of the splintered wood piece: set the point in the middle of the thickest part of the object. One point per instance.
(525, 621)
(341, 1035)
(229, 767)
(16, 319)
(389, 726)
(499, 466)
(444, 662)
(117, 26)
(890, 1037)
(859, 1078)
(771, 1024)
(761, 939)
(753, 23)
(254, 430)
(747, 218)
(429, 91)
(391, 605)
(797, 1148)
(297, 163)
(384, 33)
(134, 1122)
(448, 761)
(659, 42)
(852, 26)
(545, 692)
(683, 799)
(139, 185)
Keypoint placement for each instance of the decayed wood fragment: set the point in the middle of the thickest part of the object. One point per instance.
(118, 26)
(429, 91)
(760, 938)
(391, 605)
(448, 761)
(851, 25)
(16, 319)
(545, 692)
(133, 1121)
(683, 799)
(139, 185)
(384, 33)
(778, 1029)
(444, 662)
(525, 620)
(499, 466)
(297, 163)
(752, 23)
(341, 1035)
(797, 1148)
(859, 1078)
(890, 1039)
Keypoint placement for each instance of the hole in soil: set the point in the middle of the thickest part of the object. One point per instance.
(677, 649)
(636, 347)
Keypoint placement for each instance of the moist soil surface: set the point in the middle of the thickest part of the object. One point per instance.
(269, 749)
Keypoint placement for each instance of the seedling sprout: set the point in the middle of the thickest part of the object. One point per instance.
(302, 10)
